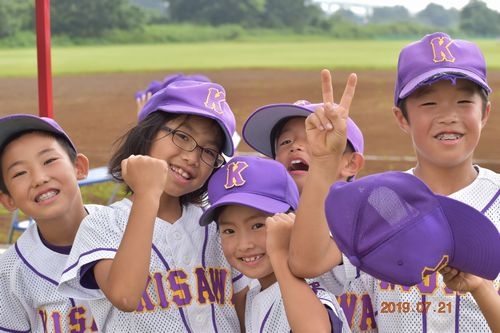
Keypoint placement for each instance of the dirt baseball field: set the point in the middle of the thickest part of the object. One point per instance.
(96, 109)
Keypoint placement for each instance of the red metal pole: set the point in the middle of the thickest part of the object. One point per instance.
(42, 8)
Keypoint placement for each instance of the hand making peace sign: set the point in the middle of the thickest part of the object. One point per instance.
(326, 127)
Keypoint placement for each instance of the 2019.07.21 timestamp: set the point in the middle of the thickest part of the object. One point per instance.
(420, 307)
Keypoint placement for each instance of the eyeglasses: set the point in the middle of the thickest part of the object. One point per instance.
(186, 142)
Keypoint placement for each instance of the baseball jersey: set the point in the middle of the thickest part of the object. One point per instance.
(190, 285)
(265, 309)
(428, 306)
(29, 275)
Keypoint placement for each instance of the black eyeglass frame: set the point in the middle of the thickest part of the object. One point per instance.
(218, 159)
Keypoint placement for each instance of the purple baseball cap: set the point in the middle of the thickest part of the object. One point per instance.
(435, 57)
(205, 99)
(252, 181)
(14, 124)
(156, 85)
(393, 227)
(258, 129)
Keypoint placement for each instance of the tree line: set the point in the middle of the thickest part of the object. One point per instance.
(94, 19)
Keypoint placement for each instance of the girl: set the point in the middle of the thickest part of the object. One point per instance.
(149, 266)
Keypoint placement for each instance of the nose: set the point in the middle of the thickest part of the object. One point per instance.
(296, 146)
(39, 178)
(192, 157)
(447, 115)
(245, 241)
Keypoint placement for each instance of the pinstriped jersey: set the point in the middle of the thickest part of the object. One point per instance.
(29, 275)
(190, 285)
(265, 310)
(428, 306)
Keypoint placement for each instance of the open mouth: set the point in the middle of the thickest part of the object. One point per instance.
(298, 165)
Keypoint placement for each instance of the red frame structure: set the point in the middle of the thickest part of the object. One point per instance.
(45, 104)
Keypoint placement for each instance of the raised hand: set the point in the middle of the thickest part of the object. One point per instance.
(278, 230)
(145, 174)
(326, 127)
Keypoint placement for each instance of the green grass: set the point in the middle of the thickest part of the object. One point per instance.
(334, 54)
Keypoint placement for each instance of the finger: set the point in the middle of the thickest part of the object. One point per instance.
(348, 95)
(313, 122)
(326, 86)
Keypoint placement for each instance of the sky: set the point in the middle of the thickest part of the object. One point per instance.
(416, 6)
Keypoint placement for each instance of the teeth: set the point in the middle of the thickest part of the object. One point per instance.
(448, 136)
(296, 161)
(46, 196)
(250, 259)
(180, 172)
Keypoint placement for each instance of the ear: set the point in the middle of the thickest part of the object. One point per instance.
(400, 119)
(7, 202)
(81, 166)
(352, 163)
(486, 115)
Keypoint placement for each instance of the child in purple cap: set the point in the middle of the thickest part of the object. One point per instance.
(252, 202)
(40, 169)
(278, 131)
(441, 101)
(149, 266)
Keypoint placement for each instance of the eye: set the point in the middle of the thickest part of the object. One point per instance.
(258, 226)
(182, 136)
(50, 160)
(210, 153)
(284, 142)
(226, 231)
(428, 104)
(18, 173)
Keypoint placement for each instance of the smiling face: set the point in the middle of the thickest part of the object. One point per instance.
(243, 237)
(41, 178)
(187, 172)
(445, 122)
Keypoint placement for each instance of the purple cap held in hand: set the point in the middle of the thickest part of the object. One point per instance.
(436, 57)
(393, 227)
(205, 99)
(252, 181)
(259, 128)
(15, 124)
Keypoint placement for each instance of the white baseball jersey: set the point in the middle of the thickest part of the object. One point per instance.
(265, 310)
(190, 286)
(29, 275)
(428, 306)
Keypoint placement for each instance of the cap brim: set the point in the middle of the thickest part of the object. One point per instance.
(257, 128)
(263, 203)
(476, 238)
(14, 124)
(415, 83)
(228, 148)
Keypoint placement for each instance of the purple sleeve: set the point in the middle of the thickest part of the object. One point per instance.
(87, 278)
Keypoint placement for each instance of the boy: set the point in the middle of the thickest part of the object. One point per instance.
(278, 131)
(250, 198)
(441, 100)
(40, 169)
